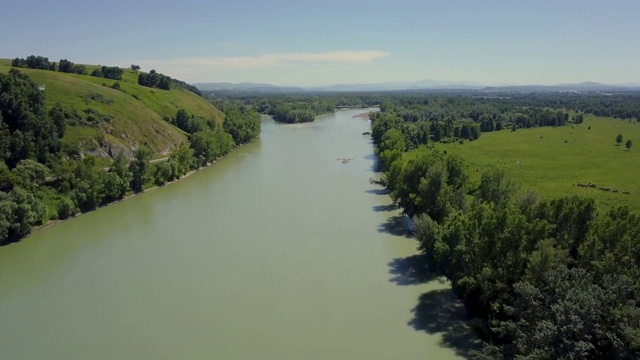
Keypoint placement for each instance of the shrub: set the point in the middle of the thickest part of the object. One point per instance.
(66, 208)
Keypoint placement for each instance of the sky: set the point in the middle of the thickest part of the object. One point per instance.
(311, 43)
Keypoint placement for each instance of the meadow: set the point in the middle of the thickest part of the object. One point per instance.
(553, 161)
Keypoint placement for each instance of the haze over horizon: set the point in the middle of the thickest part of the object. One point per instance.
(319, 43)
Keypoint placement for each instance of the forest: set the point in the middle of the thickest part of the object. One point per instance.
(297, 108)
(42, 180)
(450, 109)
(542, 278)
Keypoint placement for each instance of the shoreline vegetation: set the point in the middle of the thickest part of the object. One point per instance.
(292, 109)
(45, 180)
(56, 222)
(53, 223)
(541, 277)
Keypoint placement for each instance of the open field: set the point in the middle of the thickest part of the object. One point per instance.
(135, 113)
(554, 160)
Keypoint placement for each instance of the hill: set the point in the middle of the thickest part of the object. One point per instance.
(52, 122)
(121, 117)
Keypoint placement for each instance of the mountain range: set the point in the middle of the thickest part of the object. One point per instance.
(426, 84)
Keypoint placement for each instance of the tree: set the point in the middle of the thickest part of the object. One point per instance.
(18, 62)
(495, 187)
(182, 119)
(619, 139)
(120, 167)
(65, 66)
(135, 67)
(66, 208)
(164, 83)
(578, 118)
(393, 140)
(87, 184)
(79, 69)
(97, 73)
(112, 72)
(29, 174)
(19, 212)
(163, 173)
(628, 144)
(139, 168)
(183, 157)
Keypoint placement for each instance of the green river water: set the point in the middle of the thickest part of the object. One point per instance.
(278, 251)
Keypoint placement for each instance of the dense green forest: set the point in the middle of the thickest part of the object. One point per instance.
(542, 278)
(42, 180)
(450, 109)
(298, 108)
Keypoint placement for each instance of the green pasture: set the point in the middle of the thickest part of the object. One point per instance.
(553, 161)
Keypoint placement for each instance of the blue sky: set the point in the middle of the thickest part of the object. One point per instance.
(296, 42)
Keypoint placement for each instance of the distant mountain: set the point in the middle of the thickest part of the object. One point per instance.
(246, 86)
(394, 86)
(583, 86)
(389, 86)
(426, 84)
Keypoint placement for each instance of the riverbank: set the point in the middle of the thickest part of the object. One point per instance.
(53, 223)
(186, 272)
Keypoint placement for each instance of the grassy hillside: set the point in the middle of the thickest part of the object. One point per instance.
(131, 115)
(554, 160)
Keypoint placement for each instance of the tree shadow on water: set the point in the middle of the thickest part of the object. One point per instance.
(395, 225)
(375, 163)
(377, 191)
(439, 311)
(412, 270)
(384, 208)
(371, 156)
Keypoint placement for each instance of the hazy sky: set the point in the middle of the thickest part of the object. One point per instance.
(296, 42)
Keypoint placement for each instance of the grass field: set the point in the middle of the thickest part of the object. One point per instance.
(553, 161)
(136, 111)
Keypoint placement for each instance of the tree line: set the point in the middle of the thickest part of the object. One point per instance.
(43, 63)
(438, 105)
(108, 72)
(491, 111)
(160, 81)
(543, 278)
(297, 108)
(41, 180)
(66, 66)
(153, 79)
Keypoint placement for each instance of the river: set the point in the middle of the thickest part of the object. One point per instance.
(278, 251)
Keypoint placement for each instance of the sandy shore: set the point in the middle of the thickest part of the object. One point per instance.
(363, 116)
